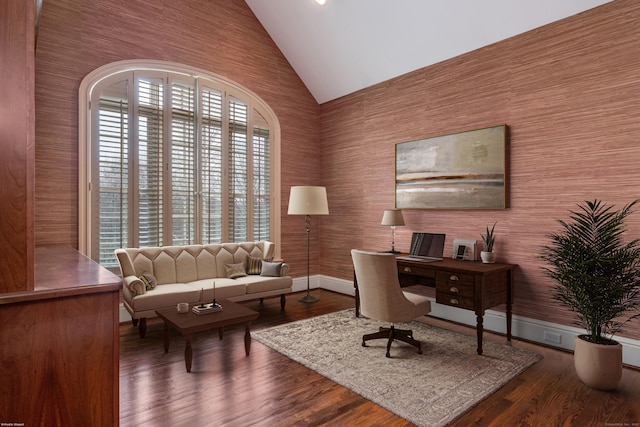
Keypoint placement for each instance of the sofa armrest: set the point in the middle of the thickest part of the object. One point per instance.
(135, 285)
(126, 266)
(284, 270)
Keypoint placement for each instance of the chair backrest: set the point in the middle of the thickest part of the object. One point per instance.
(381, 297)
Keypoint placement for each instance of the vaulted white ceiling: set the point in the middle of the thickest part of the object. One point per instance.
(347, 45)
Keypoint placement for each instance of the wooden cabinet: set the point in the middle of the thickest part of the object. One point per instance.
(17, 145)
(58, 309)
(463, 284)
(59, 345)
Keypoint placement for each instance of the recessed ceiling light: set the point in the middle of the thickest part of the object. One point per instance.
(321, 2)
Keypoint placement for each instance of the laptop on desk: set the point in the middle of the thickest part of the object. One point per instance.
(425, 247)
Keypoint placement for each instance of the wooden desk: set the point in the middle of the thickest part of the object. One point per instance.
(464, 284)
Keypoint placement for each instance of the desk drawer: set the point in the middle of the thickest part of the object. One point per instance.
(416, 270)
(455, 289)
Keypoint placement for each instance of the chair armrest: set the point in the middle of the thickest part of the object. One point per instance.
(135, 285)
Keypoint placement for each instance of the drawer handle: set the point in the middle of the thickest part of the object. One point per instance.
(454, 301)
(454, 290)
(407, 269)
(454, 278)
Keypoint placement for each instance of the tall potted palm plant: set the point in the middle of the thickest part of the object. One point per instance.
(597, 276)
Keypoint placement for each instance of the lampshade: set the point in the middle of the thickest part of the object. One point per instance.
(392, 217)
(308, 200)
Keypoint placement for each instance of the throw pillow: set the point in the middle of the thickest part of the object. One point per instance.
(235, 270)
(149, 280)
(254, 265)
(271, 269)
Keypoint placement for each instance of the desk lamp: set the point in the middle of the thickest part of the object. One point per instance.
(392, 218)
(307, 201)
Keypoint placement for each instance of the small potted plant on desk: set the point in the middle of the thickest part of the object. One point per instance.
(597, 276)
(487, 256)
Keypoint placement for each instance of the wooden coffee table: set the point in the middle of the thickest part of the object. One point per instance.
(189, 323)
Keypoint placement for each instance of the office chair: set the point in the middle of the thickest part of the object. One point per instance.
(382, 298)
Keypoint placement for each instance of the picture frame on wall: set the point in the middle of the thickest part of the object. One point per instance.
(465, 170)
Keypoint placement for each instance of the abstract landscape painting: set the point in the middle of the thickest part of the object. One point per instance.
(465, 170)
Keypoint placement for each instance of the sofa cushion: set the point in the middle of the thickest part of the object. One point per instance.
(257, 284)
(149, 280)
(254, 265)
(235, 270)
(225, 288)
(167, 295)
(271, 269)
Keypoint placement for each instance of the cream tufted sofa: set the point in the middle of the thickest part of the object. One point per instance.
(157, 277)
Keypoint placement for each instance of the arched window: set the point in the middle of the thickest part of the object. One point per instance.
(173, 155)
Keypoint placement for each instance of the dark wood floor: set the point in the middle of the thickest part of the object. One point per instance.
(226, 388)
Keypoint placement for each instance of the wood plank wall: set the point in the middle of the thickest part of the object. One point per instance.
(570, 92)
(17, 136)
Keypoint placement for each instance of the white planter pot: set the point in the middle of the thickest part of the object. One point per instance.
(488, 257)
(599, 366)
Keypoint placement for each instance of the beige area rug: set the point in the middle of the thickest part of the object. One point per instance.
(431, 389)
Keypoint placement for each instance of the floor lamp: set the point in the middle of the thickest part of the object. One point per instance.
(308, 200)
(392, 218)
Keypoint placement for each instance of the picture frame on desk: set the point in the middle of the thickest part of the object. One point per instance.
(469, 253)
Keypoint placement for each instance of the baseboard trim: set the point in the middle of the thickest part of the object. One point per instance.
(521, 327)
(123, 314)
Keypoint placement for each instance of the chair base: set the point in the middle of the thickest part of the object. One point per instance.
(404, 335)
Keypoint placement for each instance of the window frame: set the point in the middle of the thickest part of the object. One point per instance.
(96, 80)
